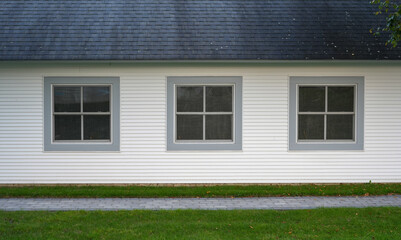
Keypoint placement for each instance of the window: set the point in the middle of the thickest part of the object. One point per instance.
(204, 113)
(81, 114)
(326, 113)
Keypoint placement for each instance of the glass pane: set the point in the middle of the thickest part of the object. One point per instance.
(96, 99)
(67, 99)
(189, 99)
(219, 99)
(189, 127)
(97, 127)
(340, 99)
(340, 127)
(67, 127)
(310, 127)
(311, 99)
(219, 127)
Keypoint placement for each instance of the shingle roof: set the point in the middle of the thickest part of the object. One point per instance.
(191, 30)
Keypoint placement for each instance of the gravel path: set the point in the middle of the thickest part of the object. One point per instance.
(278, 203)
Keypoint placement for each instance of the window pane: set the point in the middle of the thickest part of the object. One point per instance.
(67, 127)
(96, 99)
(189, 99)
(219, 99)
(340, 127)
(310, 127)
(219, 127)
(311, 99)
(340, 99)
(97, 127)
(189, 127)
(67, 99)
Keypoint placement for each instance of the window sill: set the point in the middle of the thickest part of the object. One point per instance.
(327, 146)
(82, 147)
(223, 146)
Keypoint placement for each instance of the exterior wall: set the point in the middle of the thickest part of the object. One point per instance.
(143, 157)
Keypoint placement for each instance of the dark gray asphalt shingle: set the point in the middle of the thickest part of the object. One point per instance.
(191, 30)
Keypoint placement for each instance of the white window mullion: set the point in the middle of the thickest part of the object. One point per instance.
(82, 127)
(330, 113)
(82, 110)
(204, 113)
(204, 127)
(325, 129)
(325, 110)
(204, 99)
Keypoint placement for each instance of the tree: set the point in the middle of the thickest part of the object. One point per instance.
(392, 10)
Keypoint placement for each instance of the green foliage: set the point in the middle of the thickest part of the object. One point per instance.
(202, 191)
(332, 223)
(392, 11)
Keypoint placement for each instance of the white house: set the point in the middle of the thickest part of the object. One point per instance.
(197, 92)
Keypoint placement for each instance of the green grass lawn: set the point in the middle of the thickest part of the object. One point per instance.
(340, 223)
(201, 191)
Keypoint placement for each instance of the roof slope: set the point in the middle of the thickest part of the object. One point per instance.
(190, 30)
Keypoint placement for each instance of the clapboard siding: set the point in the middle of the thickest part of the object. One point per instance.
(143, 157)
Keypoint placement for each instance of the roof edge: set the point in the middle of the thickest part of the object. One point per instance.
(191, 63)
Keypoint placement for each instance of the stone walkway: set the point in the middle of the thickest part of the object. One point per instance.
(278, 203)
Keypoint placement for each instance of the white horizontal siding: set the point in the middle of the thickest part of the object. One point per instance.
(143, 157)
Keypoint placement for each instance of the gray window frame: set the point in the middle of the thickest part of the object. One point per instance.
(357, 143)
(82, 145)
(235, 144)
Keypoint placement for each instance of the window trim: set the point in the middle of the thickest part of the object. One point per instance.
(234, 144)
(82, 145)
(356, 144)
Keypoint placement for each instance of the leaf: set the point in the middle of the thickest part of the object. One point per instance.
(392, 9)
